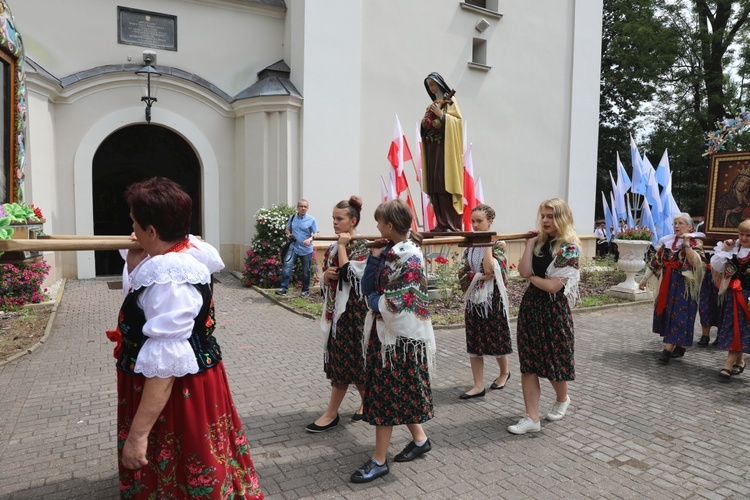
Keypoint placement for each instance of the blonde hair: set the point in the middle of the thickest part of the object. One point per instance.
(562, 217)
(744, 226)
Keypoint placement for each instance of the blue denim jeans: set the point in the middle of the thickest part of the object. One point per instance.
(286, 273)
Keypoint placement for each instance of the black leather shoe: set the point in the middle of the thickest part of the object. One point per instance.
(469, 396)
(678, 351)
(313, 427)
(703, 342)
(412, 451)
(369, 472)
(357, 417)
(496, 387)
(665, 356)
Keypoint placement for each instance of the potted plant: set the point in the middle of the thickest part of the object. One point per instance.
(632, 245)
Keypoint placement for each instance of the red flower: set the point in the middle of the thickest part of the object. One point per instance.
(441, 260)
(164, 454)
(195, 469)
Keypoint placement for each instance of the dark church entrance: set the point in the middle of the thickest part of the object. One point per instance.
(129, 155)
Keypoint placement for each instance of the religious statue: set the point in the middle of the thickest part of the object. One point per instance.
(442, 155)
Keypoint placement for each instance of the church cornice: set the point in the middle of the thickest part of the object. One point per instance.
(81, 81)
(270, 8)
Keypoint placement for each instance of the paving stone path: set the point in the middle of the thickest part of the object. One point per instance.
(635, 429)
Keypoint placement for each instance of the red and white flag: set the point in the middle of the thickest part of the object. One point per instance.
(478, 191)
(428, 213)
(398, 153)
(410, 202)
(384, 194)
(418, 154)
(470, 200)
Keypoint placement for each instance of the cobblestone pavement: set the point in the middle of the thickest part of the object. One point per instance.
(635, 428)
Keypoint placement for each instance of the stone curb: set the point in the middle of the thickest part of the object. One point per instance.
(47, 330)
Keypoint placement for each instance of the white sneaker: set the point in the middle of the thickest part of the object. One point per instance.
(525, 425)
(558, 410)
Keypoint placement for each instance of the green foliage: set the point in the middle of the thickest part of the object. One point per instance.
(636, 234)
(18, 212)
(666, 70)
(598, 300)
(263, 261)
(444, 275)
(638, 48)
(314, 308)
(5, 230)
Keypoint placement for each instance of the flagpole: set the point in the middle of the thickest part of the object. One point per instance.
(413, 163)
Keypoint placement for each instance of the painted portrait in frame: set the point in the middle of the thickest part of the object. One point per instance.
(728, 196)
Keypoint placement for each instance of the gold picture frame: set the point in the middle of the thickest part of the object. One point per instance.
(728, 194)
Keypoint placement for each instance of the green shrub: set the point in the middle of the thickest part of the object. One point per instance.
(263, 261)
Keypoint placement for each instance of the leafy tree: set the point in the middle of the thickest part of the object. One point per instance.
(638, 48)
(705, 84)
(683, 69)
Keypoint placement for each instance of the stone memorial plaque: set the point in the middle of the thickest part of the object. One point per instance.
(147, 29)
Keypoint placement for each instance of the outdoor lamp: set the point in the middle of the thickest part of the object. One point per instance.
(149, 78)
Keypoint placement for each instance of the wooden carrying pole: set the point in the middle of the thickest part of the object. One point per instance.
(469, 239)
(48, 243)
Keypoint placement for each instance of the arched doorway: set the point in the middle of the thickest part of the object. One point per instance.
(128, 155)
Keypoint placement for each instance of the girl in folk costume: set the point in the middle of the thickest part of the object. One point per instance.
(731, 260)
(679, 265)
(399, 343)
(545, 324)
(344, 312)
(179, 434)
(482, 277)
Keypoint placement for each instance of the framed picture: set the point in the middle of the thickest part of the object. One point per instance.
(728, 196)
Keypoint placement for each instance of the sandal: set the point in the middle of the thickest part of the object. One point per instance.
(725, 374)
(737, 369)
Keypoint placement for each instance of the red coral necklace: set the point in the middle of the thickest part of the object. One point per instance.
(180, 245)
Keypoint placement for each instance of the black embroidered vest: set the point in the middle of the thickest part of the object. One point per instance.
(131, 320)
(743, 272)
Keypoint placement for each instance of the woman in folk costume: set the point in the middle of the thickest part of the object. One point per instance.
(344, 312)
(679, 265)
(709, 312)
(399, 343)
(482, 277)
(545, 324)
(442, 155)
(731, 260)
(179, 434)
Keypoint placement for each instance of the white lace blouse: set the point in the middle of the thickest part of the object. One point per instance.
(170, 303)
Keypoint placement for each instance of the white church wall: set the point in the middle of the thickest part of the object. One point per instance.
(528, 142)
(226, 43)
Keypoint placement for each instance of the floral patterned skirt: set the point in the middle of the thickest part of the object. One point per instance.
(708, 307)
(677, 323)
(727, 336)
(399, 392)
(545, 335)
(345, 364)
(490, 335)
(196, 449)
